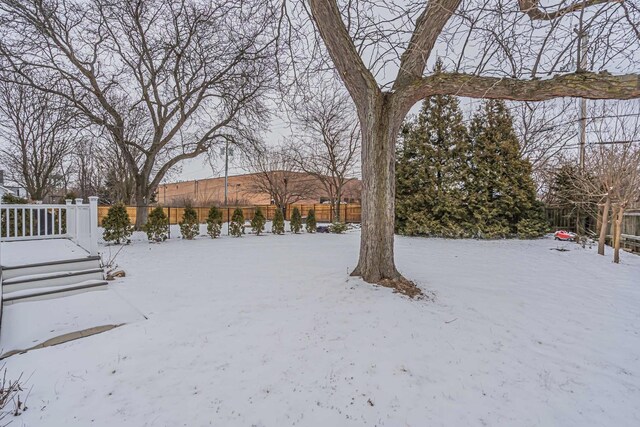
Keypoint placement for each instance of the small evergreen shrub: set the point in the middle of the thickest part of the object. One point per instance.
(214, 222)
(236, 226)
(258, 221)
(311, 221)
(157, 226)
(296, 221)
(117, 225)
(277, 227)
(189, 226)
(338, 227)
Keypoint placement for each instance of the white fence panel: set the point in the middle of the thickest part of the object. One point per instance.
(32, 222)
(77, 222)
(83, 221)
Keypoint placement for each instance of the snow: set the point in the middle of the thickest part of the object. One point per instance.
(271, 331)
(47, 289)
(38, 251)
(37, 276)
(29, 323)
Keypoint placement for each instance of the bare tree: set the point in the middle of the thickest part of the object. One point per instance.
(98, 167)
(545, 129)
(275, 174)
(612, 169)
(492, 49)
(615, 161)
(166, 78)
(618, 173)
(328, 145)
(38, 134)
(86, 166)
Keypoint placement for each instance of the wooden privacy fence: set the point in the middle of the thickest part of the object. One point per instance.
(348, 212)
(631, 223)
(561, 219)
(566, 219)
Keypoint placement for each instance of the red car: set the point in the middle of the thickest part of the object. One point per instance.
(564, 235)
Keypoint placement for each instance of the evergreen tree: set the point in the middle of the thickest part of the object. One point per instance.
(277, 226)
(566, 194)
(296, 221)
(117, 225)
(236, 226)
(189, 226)
(214, 222)
(534, 224)
(157, 226)
(258, 221)
(501, 190)
(431, 170)
(338, 227)
(564, 187)
(311, 221)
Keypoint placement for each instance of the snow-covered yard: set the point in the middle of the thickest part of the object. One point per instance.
(271, 331)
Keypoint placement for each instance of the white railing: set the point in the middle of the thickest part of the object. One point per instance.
(77, 222)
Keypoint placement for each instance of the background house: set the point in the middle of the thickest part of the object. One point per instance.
(11, 189)
(247, 189)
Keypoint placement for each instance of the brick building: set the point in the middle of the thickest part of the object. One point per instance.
(242, 190)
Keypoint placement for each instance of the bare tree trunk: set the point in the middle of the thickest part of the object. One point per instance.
(617, 234)
(604, 225)
(376, 263)
(141, 205)
(336, 204)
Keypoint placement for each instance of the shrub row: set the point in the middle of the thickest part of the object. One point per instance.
(118, 228)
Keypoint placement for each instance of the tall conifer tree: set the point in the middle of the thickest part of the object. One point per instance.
(501, 190)
(431, 170)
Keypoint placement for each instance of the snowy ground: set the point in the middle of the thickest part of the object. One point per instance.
(270, 331)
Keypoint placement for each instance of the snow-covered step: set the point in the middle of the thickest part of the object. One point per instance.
(47, 280)
(76, 264)
(53, 291)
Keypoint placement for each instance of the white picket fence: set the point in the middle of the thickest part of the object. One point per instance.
(77, 222)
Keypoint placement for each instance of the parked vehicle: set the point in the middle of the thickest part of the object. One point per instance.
(564, 235)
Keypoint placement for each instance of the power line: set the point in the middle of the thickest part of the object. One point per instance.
(571, 146)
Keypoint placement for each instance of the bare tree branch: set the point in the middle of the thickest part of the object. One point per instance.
(583, 85)
(535, 12)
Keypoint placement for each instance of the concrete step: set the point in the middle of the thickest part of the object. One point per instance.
(36, 294)
(47, 280)
(76, 264)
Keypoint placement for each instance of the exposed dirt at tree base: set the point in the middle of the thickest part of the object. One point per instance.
(404, 287)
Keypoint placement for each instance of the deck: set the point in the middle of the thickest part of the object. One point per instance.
(27, 252)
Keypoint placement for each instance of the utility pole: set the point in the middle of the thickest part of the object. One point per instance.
(584, 40)
(582, 66)
(226, 171)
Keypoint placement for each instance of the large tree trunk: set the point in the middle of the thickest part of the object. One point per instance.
(142, 197)
(617, 234)
(604, 225)
(379, 132)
